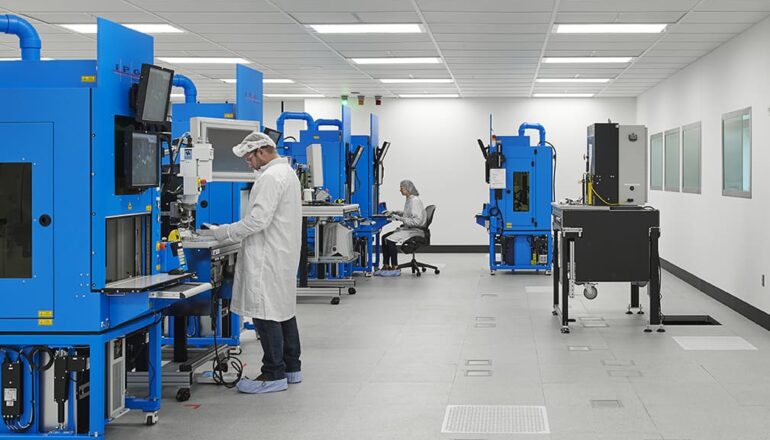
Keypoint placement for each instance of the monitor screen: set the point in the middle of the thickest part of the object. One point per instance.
(154, 93)
(143, 160)
(275, 135)
(223, 140)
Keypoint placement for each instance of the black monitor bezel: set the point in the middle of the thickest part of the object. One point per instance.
(141, 94)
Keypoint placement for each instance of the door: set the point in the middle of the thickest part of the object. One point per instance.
(27, 220)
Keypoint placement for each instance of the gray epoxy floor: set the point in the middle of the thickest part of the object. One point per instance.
(385, 363)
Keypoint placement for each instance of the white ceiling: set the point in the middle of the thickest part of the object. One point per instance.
(490, 47)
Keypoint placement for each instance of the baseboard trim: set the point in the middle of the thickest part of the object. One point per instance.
(454, 249)
(748, 311)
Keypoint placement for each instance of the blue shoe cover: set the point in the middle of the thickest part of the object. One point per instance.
(249, 386)
(294, 377)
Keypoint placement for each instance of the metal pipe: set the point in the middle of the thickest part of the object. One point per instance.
(190, 91)
(295, 116)
(526, 126)
(328, 123)
(29, 40)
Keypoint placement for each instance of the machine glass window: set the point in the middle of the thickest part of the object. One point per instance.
(691, 158)
(736, 154)
(672, 160)
(656, 161)
(15, 220)
(521, 191)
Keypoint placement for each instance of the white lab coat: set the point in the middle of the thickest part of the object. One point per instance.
(265, 285)
(412, 218)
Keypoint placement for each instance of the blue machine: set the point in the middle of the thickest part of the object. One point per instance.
(79, 235)
(219, 203)
(518, 215)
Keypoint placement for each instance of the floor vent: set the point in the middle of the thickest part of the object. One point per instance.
(715, 343)
(606, 404)
(495, 419)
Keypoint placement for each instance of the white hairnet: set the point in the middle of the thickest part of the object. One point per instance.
(409, 187)
(252, 142)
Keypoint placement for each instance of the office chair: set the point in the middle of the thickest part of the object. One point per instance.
(412, 245)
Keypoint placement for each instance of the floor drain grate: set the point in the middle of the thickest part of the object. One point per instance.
(478, 373)
(594, 324)
(617, 363)
(606, 404)
(713, 343)
(624, 373)
(495, 419)
(477, 362)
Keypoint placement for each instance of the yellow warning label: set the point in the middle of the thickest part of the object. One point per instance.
(509, 225)
(157, 267)
(45, 313)
(316, 137)
(88, 79)
(45, 322)
(148, 208)
(130, 206)
(229, 115)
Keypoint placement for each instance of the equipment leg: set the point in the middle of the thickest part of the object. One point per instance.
(634, 300)
(565, 258)
(156, 365)
(654, 287)
(97, 377)
(556, 273)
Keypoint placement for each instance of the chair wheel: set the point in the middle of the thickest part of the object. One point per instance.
(183, 395)
(351, 291)
(437, 271)
(424, 269)
(419, 274)
(335, 301)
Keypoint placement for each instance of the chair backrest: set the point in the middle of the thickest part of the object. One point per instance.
(429, 211)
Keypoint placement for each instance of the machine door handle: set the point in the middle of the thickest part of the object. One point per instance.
(45, 220)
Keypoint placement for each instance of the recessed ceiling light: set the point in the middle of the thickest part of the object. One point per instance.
(572, 80)
(589, 60)
(431, 95)
(366, 28)
(202, 60)
(425, 60)
(563, 95)
(610, 28)
(416, 81)
(150, 28)
(293, 95)
(19, 59)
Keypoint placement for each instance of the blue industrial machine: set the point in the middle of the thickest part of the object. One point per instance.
(82, 294)
(198, 330)
(521, 190)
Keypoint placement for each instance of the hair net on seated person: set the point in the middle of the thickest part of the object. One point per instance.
(409, 187)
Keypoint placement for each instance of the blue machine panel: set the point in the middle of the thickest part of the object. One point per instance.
(248, 88)
(26, 259)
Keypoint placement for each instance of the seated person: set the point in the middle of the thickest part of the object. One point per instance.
(412, 218)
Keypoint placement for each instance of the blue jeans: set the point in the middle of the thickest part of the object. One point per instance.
(280, 342)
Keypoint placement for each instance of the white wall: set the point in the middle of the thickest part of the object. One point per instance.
(272, 109)
(722, 240)
(434, 144)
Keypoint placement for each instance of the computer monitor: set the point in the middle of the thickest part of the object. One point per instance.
(141, 160)
(153, 93)
(223, 135)
(275, 135)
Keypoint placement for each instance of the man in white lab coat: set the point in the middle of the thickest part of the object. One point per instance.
(265, 285)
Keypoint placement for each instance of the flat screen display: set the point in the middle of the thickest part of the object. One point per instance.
(143, 160)
(154, 93)
(275, 135)
(223, 140)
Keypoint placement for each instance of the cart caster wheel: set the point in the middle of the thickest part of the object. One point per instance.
(236, 351)
(492, 272)
(437, 271)
(424, 269)
(565, 330)
(547, 273)
(554, 313)
(368, 275)
(151, 419)
(335, 301)
(183, 395)
(351, 291)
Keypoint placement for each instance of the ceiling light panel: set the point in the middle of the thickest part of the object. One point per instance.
(609, 28)
(203, 60)
(416, 60)
(573, 80)
(417, 81)
(430, 95)
(587, 60)
(368, 28)
(293, 95)
(563, 95)
(149, 28)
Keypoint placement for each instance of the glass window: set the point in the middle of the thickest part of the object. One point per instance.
(521, 191)
(672, 160)
(736, 153)
(656, 161)
(691, 162)
(15, 220)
